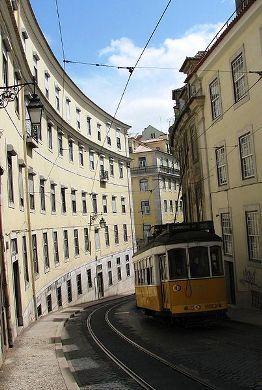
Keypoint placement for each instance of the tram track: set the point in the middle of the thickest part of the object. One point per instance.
(184, 378)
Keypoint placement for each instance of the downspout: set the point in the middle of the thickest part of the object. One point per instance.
(28, 217)
(4, 273)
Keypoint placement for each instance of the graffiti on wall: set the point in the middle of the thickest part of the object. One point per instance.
(248, 277)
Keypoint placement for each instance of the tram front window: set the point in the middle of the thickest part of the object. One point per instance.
(216, 261)
(177, 263)
(199, 263)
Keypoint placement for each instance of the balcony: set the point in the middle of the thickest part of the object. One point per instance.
(154, 169)
(31, 134)
(103, 176)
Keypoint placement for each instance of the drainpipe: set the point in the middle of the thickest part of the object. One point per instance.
(28, 217)
(4, 273)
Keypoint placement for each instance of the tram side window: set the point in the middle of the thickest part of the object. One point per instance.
(199, 263)
(177, 263)
(216, 261)
(163, 267)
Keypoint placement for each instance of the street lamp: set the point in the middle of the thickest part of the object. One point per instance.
(102, 222)
(35, 110)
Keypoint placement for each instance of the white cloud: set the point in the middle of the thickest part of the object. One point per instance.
(148, 96)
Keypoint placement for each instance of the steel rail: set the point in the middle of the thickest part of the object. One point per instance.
(120, 364)
(156, 357)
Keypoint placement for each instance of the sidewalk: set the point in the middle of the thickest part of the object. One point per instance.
(37, 360)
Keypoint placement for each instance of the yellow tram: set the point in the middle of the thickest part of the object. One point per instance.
(180, 272)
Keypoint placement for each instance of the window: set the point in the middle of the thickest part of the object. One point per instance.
(171, 206)
(42, 194)
(35, 254)
(118, 140)
(94, 203)
(60, 142)
(194, 149)
(104, 201)
(102, 168)
(35, 70)
(66, 246)
(68, 110)
(25, 259)
(164, 183)
(78, 123)
(246, 156)
(49, 303)
(199, 262)
(169, 184)
(123, 205)
(165, 206)
(227, 233)
(97, 239)
(89, 278)
(76, 242)
(119, 275)
(47, 76)
(70, 150)
(49, 136)
(239, 77)
(56, 251)
(177, 261)
(99, 132)
(111, 166)
(10, 179)
(108, 138)
(63, 199)
(215, 99)
(114, 204)
(254, 235)
(107, 241)
(46, 251)
(73, 197)
(21, 186)
(53, 200)
(16, 81)
(31, 191)
(125, 232)
(110, 278)
(88, 123)
(221, 166)
(57, 98)
(216, 261)
(59, 296)
(143, 185)
(121, 171)
(69, 290)
(116, 234)
(86, 239)
(145, 208)
(91, 160)
(5, 65)
(81, 155)
(84, 204)
(127, 266)
(142, 162)
(79, 284)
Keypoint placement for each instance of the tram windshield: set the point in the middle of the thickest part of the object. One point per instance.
(177, 262)
(216, 261)
(199, 262)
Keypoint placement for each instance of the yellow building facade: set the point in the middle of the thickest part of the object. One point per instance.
(155, 185)
(217, 136)
(67, 231)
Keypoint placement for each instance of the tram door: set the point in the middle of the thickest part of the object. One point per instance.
(164, 281)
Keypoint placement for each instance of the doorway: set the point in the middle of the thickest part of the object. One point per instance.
(230, 282)
(100, 285)
(17, 294)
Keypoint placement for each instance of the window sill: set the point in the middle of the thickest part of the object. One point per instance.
(47, 269)
(11, 205)
(239, 103)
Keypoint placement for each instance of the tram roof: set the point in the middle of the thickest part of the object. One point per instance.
(169, 238)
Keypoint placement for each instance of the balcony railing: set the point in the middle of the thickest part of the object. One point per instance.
(154, 169)
(32, 134)
(103, 176)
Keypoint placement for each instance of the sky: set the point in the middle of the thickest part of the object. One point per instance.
(115, 32)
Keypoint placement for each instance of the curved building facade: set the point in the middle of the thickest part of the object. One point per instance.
(67, 233)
